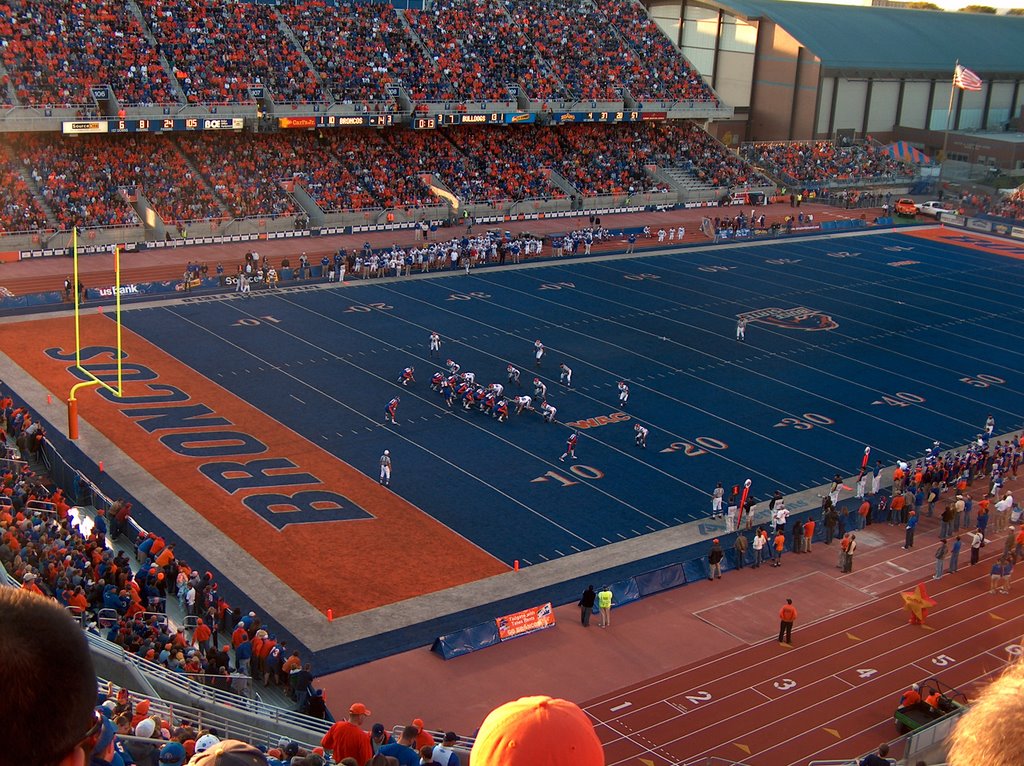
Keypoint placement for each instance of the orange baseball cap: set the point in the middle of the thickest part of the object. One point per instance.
(537, 731)
(358, 708)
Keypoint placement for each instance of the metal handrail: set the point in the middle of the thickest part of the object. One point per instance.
(201, 691)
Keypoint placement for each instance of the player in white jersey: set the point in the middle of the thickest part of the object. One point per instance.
(435, 344)
(469, 377)
(741, 329)
(513, 376)
(497, 388)
(385, 468)
(566, 376)
(548, 412)
(623, 393)
(523, 403)
(540, 391)
(641, 435)
(538, 352)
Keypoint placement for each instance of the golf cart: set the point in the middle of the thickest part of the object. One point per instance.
(921, 714)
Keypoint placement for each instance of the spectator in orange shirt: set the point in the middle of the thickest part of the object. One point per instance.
(787, 616)
(780, 545)
(863, 513)
(808, 534)
(202, 635)
(911, 696)
(424, 738)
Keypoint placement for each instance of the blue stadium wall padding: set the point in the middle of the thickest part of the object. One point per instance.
(732, 556)
(695, 569)
(624, 592)
(665, 578)
(467, 640)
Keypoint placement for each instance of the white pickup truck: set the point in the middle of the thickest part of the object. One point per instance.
(934, 208)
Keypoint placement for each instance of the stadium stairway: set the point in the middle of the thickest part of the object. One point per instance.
(12, 96)
(253, 710)
(40, 198)
(288, 33)
(690, 188)
(174, 85)
(262, 719)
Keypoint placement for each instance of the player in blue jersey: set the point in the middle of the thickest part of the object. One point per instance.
(407, 376)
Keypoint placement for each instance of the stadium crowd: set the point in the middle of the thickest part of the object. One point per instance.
(824, 161)
(457, 50)
(218, 48)
(481, 51)
(51, 552)
(671, 76)
(377, 52)
(1009, 206)
(54, 51)
(81, 179)
(242, 175)
(19, 210)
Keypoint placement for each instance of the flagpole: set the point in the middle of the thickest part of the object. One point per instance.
(949, 114)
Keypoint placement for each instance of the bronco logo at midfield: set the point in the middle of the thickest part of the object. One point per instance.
(798, 318)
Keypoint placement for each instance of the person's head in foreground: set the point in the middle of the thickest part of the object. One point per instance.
(989, 732)
(49, 686)
(537, 731)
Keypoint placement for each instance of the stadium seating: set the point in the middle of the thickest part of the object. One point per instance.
(81, 178)
(669, 75)
(606, 63)
(19, 210)
(54, 50)
(377, 52)
(217, 48)
(245, 173)
(824, 161)
(84, 180)
(481, 51)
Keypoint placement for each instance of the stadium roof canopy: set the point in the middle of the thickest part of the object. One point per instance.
(866, 38)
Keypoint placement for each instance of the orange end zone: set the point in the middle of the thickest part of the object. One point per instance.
(964, 238)
(348, 562)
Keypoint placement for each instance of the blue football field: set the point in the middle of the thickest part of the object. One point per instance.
(888, 340)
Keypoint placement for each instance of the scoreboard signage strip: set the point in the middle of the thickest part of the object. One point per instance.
(337, 121)
(560, 118)
(146, 125)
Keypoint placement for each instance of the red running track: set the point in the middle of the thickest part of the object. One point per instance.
(831, 696)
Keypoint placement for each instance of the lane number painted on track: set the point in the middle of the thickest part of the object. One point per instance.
(252, 322)
(942, 660)
(366, 308)
(640, 277)
(806, 422)
(697, 697)
(557, 286)
(693, 449)
(982, 380)
(866, 672)
(900, 399)
(785, 684)
(582, 471)
(716, 268)
(1014, 650)
(477, 295)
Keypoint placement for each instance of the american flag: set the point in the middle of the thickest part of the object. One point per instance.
(965, 79)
